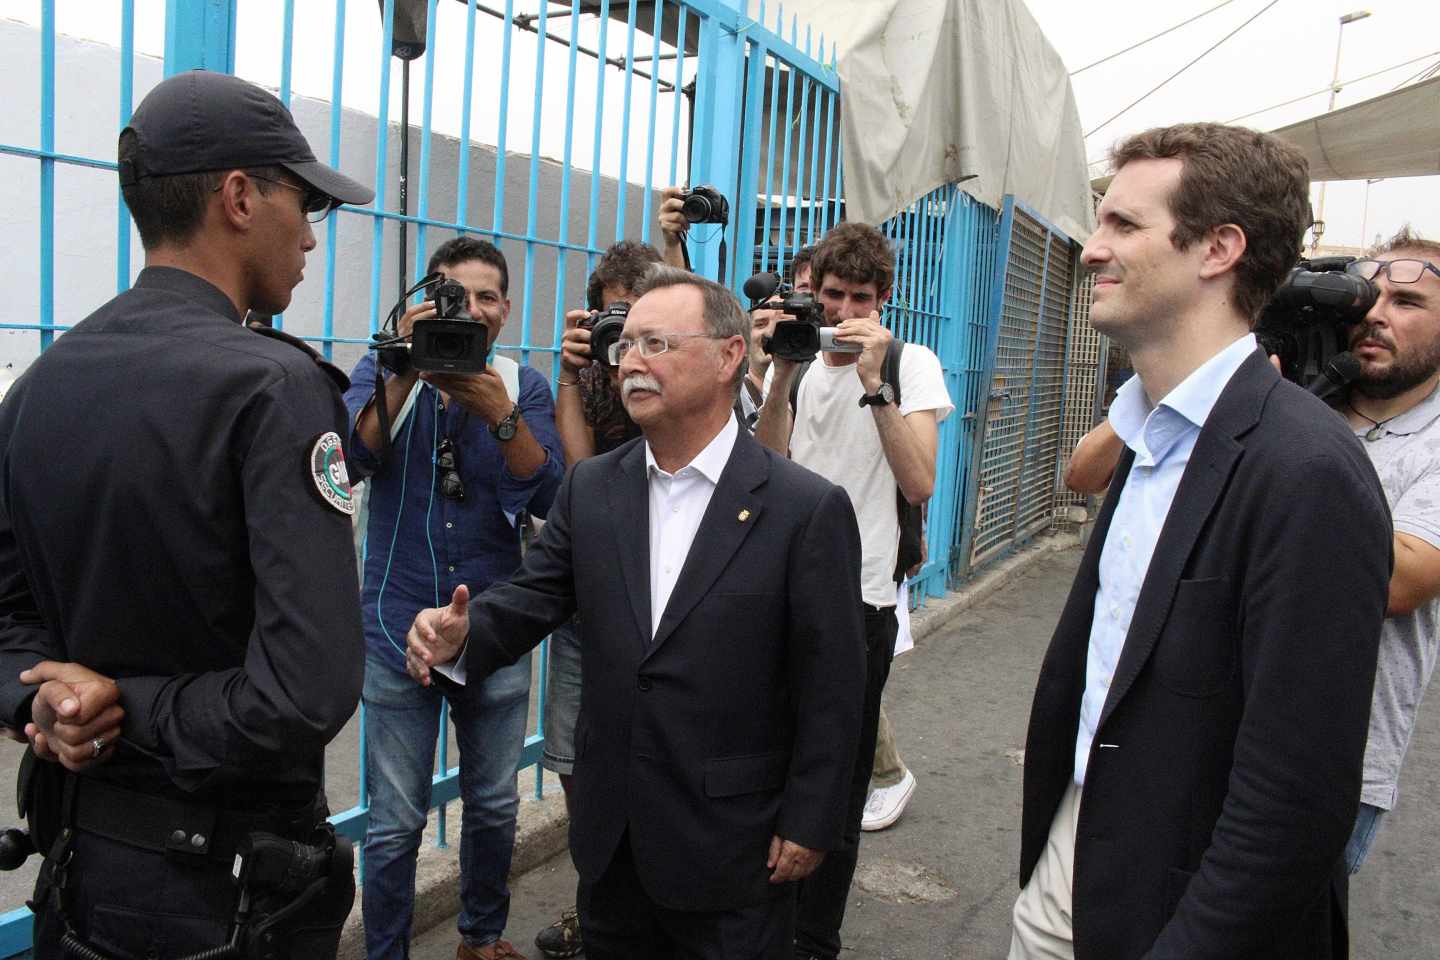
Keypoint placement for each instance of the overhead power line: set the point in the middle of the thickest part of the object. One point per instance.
(1346, 83)
(1424, 74)
(1157, 36)
(1177, 73)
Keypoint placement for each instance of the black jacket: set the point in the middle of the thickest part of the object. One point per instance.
(1214, 826)
(161, 523)
(740, 719)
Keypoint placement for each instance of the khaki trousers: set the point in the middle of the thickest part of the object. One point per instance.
(1042, 917)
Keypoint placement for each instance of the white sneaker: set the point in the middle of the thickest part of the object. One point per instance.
(887, 803)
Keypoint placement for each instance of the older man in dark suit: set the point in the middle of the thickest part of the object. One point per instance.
(1192, 769)
(723, 654)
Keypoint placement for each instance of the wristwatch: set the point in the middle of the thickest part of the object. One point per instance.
(883, 395)
(505, 429)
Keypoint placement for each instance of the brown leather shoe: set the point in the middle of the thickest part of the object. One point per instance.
(499, 950)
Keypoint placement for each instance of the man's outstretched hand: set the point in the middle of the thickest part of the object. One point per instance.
(437, 635)
(74, 711)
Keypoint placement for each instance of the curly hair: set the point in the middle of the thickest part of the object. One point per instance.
(855, 252)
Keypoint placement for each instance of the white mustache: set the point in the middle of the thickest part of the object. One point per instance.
(638, 381)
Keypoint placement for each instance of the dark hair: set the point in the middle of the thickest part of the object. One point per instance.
(623, 265)
(856, 252)
(464, 249)
(802, 258)
(171, 210)
(1407, 239)
(1234, 175)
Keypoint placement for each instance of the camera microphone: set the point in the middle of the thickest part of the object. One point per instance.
(1342, 369)
(761, 287)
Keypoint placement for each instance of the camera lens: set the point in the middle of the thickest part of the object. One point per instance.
(697, 208)
(449, 346)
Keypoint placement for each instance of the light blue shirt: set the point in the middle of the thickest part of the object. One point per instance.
(1163, 437)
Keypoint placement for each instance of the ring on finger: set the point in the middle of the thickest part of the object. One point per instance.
(99, 744)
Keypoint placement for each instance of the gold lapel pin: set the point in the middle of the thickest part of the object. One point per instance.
(743, 516)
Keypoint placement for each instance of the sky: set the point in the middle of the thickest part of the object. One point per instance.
(1286, 52)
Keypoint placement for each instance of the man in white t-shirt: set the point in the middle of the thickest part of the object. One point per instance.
(847, 427)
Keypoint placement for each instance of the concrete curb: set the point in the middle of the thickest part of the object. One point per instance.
(541, 832)
(939, 613)
(542, 825)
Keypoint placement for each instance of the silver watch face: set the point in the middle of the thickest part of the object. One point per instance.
(887, 393)
(505, 430)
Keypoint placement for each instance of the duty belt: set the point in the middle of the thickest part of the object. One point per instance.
(167, 825)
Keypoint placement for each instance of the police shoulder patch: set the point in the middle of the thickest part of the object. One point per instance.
(326, 467)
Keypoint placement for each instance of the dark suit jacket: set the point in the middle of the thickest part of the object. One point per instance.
(1240, 704)
(740, 719)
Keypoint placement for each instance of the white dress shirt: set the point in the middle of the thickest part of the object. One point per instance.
(677, 505)
(1163, 437)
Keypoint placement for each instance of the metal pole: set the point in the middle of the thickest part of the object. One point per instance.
(404, 169)
(1319, 227)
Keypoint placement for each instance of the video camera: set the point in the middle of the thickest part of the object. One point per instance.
(1306, 323)
(448, 342)
(605, 327)
(799, 339)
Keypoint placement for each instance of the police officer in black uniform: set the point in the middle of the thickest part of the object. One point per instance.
(179, 619)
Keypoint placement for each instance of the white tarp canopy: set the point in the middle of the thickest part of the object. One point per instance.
(1396, 134)
(936, 91)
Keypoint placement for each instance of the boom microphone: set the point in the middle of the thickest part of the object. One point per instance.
(1337, 375)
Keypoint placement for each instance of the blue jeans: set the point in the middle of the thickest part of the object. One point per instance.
(1367, 824)
(402, 722)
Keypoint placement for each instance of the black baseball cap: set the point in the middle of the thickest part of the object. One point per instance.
(199, 121)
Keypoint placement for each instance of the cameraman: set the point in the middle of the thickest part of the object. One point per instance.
(870, 452)
(466, 458)
(1394, 408)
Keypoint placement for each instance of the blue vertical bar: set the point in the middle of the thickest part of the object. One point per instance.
(717, 113)
(682, 15)
(287, 51)
(498, 223)
(422, 210)
(774, 66)
(199, 35)
(830, 98)
(594, 214)
(785, 199)
(462, 172)
(533, 203)
(802, 118)
(331, 223)
(813, 208)
(650, 130)
(559, 322)
(625, 123)
(47, 173)
(749, 159)
(127, 103)
(382, 143)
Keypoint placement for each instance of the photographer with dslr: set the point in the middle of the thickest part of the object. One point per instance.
(846, 425)
(467, 454)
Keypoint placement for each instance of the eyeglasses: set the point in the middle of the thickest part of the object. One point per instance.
(316, 203)
(652, 344)
(1399, 271)
(451, 487)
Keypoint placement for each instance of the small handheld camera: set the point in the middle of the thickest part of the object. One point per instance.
(448, 342)
(705, 204)
(605, 327)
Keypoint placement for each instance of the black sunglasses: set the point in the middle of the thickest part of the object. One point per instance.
(451, 487)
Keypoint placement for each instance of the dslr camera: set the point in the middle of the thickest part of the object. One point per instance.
(605, 327)
(449, 342)
(1307, 322)
(705, 204)
(803, 337)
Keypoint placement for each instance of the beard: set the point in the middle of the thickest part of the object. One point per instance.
(1406, 371)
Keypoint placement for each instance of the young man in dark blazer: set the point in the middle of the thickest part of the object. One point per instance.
(1192, 769)
(723, 656)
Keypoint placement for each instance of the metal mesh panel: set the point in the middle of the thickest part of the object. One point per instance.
(1084, 363)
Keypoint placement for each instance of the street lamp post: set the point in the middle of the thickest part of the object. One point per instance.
(1365, 217)
(1319, 226)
